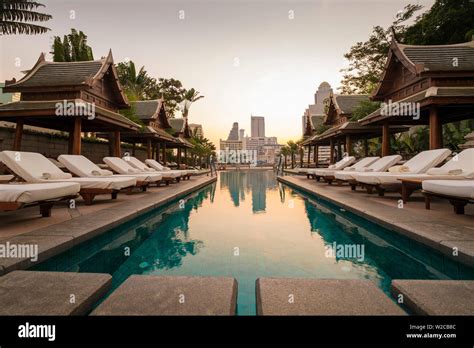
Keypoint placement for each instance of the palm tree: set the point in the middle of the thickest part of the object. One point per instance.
(16, 14)
(285, 151)
(293, 147)
(136, 86)
(190, 96)
(73, 48)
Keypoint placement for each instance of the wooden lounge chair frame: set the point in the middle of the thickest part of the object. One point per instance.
(458, 203)
(45, 206)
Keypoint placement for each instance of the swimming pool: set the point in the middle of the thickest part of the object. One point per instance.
(247, 225)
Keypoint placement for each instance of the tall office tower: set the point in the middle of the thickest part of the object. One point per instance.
(241, 134)
(258, 126)
(234, 132)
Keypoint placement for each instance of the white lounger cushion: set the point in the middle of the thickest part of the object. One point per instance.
(458, 168)
(158, 166)
(380, 165)
(357, 167)
(418, 164)
(136, 163)
(122, 167)
(345, 162)
(30, 193)
(82, 166)
(31, 166)
(455, 188)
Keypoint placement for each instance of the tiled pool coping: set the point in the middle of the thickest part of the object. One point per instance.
(440, 230)
(55, 239)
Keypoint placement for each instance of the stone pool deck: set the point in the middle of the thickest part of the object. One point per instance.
(178, 295)
(438, 228)
(68, 227)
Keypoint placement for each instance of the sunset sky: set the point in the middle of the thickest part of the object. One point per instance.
(263, 57)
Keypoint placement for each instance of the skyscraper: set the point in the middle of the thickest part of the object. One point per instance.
(257, 127)
(234, 132)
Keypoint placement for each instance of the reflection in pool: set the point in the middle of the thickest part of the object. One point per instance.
(247, 226)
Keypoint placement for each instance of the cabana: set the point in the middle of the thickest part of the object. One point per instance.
(74, 97)
(153, 134)
(343, 131)
(424, 85)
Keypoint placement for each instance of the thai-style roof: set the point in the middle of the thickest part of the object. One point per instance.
(438, 57)
(441, 95)
(152, 110)
(177, 124)
(43, 114)
(347, 103)
(68, 75)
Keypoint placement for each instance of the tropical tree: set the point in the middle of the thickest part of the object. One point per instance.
(293, 147)
(364, 108)
(16, 15)
(367, 59)
(172, 91)
(190, 96)
(203, 150)
(72, 48)
(137, 86)
(285, 151)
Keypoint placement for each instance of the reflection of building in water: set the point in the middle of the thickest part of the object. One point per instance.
(242, 183)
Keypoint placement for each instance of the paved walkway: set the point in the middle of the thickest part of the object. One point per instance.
(439, 228)
(69, 227)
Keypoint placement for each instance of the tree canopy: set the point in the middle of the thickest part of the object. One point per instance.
(16, 16)
(72, 48)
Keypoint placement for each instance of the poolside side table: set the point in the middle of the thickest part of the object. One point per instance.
(409, 186)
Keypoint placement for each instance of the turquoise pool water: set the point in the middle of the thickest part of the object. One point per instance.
(247, 226)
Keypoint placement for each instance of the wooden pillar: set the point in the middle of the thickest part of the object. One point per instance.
(157, 152)
(178, 156)
(309, 154)
(133, 149)
(148, 149)
(316, 155)
(185, 155)
(436, 130)
(385, 140)
(339, 149)
(117, 151)
(331, 150)
(366, 147)
(164, 154)
(18, 135)
(348, 145)
(76, 136)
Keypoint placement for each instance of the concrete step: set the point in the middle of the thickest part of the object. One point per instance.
(436, 297)
(292, 296)
(51, 293)
(177, 295)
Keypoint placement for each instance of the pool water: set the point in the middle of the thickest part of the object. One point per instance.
(246, 226)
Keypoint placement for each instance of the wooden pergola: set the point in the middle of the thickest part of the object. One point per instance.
(436, 80)
(158, 133)
(343, 132)
(74, 97)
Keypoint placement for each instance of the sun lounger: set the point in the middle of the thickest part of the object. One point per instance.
(6, 178)
(17, 196)
(329, 174)
(120, 166)
(380, 165)
(168, 175)
(320, 172)
(389, 180)
(460, 167)
(85, 168)
(458, 192)
(186, 173)
(35, 168)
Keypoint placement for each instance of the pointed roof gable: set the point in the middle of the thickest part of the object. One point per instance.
(65, 75)
(148, 110)
(343, 104)
(422, 60)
